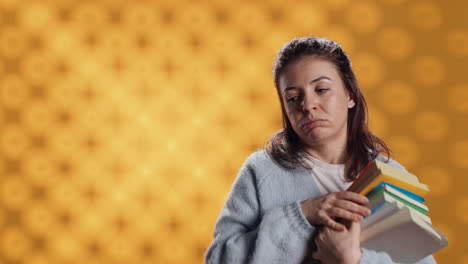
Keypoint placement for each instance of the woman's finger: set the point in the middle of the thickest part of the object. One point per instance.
(352, 207)
(331, 223)
(353, 197)
(337, 212)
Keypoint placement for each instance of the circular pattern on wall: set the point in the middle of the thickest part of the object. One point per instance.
(113, 111)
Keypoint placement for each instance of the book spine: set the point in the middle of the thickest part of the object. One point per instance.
(411, 195)
(408, 186)
(415, 207)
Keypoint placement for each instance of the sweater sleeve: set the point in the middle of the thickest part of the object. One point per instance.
(370, 256)
(243, 235)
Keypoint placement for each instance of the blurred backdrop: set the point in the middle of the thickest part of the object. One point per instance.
(124, 123)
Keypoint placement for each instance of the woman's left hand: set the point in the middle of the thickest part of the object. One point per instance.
(341, 247)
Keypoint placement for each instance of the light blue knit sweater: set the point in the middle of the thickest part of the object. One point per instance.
(262, 222)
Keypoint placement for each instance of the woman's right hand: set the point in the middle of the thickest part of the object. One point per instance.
(328, 208)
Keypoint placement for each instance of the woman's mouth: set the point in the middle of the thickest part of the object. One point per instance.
(313, 124)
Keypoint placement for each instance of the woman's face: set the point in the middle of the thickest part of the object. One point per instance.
(316, 100)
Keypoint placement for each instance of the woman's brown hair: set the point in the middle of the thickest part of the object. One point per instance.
(287, 149)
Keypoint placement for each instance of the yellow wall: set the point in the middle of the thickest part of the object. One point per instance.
(123, 123)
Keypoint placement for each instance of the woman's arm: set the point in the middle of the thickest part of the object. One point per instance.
(243, 235)
(339, 247)
(370, 257)
(342, 247)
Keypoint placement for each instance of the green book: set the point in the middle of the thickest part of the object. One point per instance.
(388, 194)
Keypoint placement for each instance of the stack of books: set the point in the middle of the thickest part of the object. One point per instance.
(398, 224)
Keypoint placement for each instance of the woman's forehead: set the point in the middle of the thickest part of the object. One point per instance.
(308, 69)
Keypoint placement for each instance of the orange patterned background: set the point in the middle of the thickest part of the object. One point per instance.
(123, 123)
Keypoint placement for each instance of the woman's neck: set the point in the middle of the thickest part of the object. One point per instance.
(332, 153)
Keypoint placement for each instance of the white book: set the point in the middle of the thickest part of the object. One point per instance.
(404, 235)
(387, 207)
(380, 214)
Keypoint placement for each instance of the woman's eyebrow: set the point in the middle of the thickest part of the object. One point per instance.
(314, 80)
(319, 78)
(290, 88)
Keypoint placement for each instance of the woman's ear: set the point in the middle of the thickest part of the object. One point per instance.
(351, 102)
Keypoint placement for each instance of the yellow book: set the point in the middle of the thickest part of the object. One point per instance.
(377, 171)
(414, 187)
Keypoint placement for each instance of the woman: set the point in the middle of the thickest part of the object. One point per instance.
(285, 203)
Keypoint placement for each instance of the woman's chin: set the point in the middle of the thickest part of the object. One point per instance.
(316, 135)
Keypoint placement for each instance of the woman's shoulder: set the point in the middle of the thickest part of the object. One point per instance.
(259, 166)
(390, 162)
(261, 159)
(262, 163)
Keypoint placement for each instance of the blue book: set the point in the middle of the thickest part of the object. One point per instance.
(403, 191)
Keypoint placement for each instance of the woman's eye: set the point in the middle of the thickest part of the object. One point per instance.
(322, 90)
(292, 99)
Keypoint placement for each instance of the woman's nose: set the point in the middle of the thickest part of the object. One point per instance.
(309, 103)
